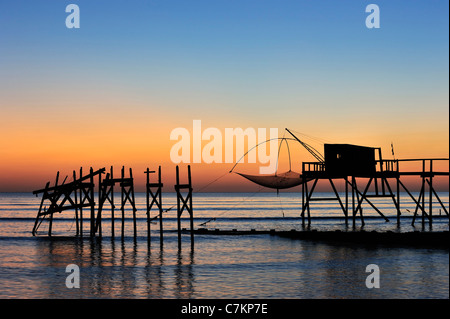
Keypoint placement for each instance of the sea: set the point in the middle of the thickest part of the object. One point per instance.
(214, 266)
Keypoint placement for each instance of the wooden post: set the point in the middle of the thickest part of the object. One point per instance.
(337, 196)
(309, 200)
(418, 205)
(99, 215)
(53, 204)
(305, 203)
(131, 190)
(359, 207)
(376, 183)
(346, 201)
(423, 197)
(127, 195)
(178, 205)
(309, 197)
(190, 205)
(81, 206)
(160, 206)
(91, 201)
(147, 196)
(76, 208)
(439, 200)
(303, 199)
(112, 201)
(36, 222)
(398, 201)
(123, 203)
(353, 202)
(156, 198)
(382, 171)
(106, 193)
(430, 185)
(184, 203)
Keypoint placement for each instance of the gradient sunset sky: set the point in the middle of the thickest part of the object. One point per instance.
(111, 92)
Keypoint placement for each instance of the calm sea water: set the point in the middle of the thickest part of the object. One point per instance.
(248, 266)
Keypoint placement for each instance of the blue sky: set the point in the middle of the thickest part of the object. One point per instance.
(228, 44)
(309, 65)
(248, 54)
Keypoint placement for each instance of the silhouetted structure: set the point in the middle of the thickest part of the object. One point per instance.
(79, 194)
(349, 160)
(154, 197)
(127, 190)
(184, 202)
(352, 162)
(64, 197)
(106, 193)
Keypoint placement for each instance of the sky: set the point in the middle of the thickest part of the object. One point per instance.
(111, 91)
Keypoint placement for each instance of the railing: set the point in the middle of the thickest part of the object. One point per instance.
(313, 167)
(427, 166)
(386, 166)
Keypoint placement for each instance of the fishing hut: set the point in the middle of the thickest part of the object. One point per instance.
(376, 179)
(366, 176)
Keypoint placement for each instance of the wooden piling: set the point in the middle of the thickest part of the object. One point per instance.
(98, 222)
(154, 198)
(76, 208)
(52, 205)
(430, 186)
(346, 201)
(112, 202)
(122, 194)
(91, 201)
(127, 195)
(81, 205)
(184, 203)
(353, 203)
(133, 203)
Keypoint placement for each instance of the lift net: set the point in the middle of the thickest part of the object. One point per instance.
(277, 181)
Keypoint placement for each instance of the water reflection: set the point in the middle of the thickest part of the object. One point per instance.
(220, 267)
(116, 268)
(153, 274)
(184, 275)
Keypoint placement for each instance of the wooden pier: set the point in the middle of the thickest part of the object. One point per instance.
(79, 194)
(358, 165)
(62, 197)
(365, 174)
(106, 193)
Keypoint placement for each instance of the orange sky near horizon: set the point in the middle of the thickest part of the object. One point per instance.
(34, 150)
